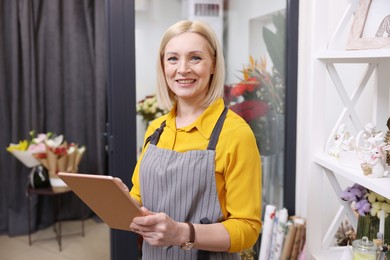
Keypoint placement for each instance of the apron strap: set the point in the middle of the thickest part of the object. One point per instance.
(217, 130)
(153, 139)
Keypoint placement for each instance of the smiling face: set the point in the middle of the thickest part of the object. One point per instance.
(188, 66)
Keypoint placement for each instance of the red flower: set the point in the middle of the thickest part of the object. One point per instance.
(40, 155)
(245, 86)
(250, 109)
(252, 83)
(60, 151)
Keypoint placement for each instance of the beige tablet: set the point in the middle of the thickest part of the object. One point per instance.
(106, 196)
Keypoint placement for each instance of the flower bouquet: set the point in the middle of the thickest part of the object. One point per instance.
(149, 109)
(259, 99)
(49, 150)
(25, 156)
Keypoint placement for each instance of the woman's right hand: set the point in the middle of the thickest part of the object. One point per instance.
(158, 229)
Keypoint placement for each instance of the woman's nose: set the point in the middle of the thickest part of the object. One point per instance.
(184, 68)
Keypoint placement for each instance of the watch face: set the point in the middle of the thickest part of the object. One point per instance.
(187, 245)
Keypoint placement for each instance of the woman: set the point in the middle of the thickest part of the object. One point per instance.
(199, 175)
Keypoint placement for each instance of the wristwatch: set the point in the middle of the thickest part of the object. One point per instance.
(190, 243)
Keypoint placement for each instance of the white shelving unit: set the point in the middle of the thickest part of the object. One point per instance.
(325, 58)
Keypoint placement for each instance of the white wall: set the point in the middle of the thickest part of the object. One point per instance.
(238, 33)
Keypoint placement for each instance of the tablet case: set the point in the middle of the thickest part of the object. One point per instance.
(106, 196)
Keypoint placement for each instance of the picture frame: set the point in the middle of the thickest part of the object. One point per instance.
(371, 26)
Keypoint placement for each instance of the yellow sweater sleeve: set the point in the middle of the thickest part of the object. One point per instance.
(241, 195)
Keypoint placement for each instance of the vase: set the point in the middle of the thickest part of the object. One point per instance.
(368, 226)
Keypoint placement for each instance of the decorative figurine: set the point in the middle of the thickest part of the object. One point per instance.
(376, 162)
(342, 141)
(364, 138)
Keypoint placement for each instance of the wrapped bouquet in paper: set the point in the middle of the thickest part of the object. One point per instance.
(24, 150)
(61, 157)
(49, 150)
(74, 156)
(19, 150)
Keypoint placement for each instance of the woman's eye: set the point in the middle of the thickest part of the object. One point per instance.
(196, 58)
(172, 59)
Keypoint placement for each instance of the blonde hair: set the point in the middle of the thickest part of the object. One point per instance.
(165, 96)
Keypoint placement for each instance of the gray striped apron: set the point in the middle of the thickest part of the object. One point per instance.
(183, 186)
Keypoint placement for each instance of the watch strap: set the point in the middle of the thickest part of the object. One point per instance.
(192, 232)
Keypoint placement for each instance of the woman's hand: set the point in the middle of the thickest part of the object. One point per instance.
(158, 229)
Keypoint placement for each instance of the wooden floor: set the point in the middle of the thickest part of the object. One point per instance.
(95, 245)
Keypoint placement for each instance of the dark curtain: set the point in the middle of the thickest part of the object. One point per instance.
(52, 78)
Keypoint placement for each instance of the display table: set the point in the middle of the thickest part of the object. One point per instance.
(56, 193)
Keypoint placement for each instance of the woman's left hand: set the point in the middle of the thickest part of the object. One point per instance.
(158, 229)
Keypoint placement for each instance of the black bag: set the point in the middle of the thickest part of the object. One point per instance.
(39, 177)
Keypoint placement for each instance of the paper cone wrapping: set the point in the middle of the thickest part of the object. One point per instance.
(44, 163)
(42, 159)
(62, 163)
(52, 163)
(79, 156)
(71, 161)
(26, 157)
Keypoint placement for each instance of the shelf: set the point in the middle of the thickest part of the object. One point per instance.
(379, 185)
(333, 253)
(355, 56)
(330, 70)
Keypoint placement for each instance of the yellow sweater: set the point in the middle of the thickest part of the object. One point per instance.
(237, 168)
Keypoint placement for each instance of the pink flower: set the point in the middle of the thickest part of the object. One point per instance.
(37, 148)
(40, 138)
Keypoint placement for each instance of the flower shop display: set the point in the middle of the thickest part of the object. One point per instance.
(373, 212)
(259, 99)
(49, 150)
(149, 109)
